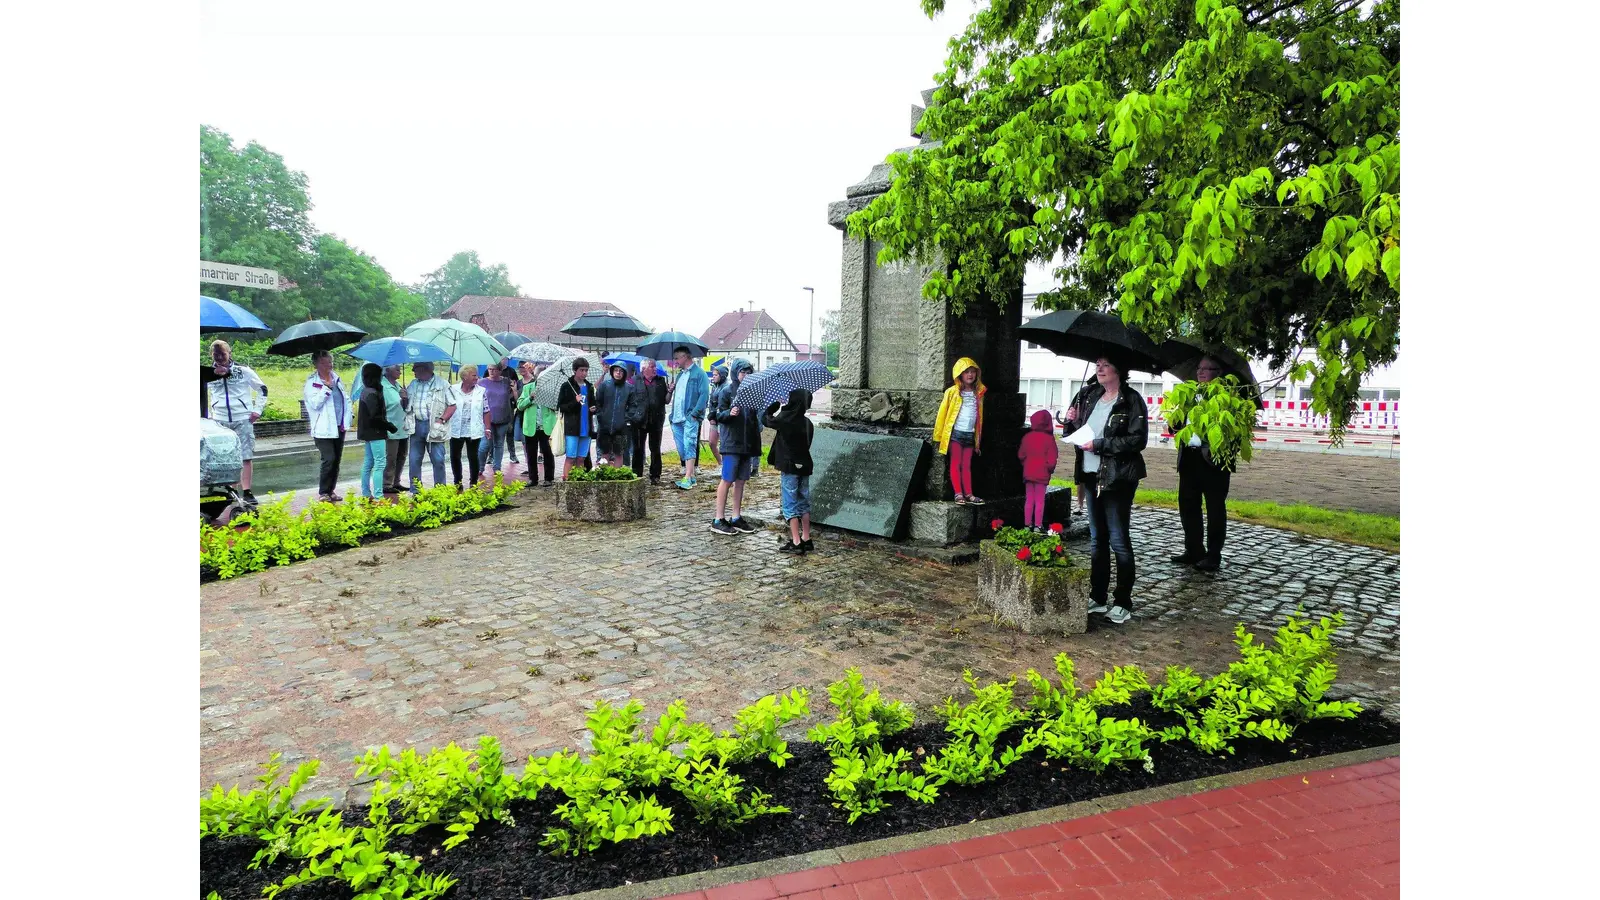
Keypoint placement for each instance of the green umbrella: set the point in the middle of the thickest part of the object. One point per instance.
(467, 344)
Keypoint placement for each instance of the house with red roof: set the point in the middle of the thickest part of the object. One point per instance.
(751, 334)
(539, 319)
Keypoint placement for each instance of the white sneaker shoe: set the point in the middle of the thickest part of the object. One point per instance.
(1096, 609)
(1118, 615)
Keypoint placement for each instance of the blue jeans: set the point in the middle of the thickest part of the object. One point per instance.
(796, 492)
(686, 437)
(435, 453)
(372, 464)
(491, 450)
(1109, 513)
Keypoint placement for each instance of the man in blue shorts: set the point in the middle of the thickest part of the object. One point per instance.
(689, 396)
(740, 439)
(577, 412)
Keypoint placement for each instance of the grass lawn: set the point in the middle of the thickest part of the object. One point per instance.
(1366, 529)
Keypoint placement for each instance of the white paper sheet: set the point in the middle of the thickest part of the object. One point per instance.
(1080, 437)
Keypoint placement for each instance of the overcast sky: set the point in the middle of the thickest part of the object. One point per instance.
(674, 159)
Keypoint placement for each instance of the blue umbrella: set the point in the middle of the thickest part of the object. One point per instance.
(394, 351)
(220, 315)
(774, 383)
(631, 360)
(661, 345)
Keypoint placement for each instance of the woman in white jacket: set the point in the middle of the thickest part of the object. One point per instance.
(326, 406)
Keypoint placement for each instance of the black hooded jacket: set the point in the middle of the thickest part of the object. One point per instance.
(741, 433)
(791, 446)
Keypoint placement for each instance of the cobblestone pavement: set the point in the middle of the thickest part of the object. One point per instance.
(513, 624)
(1360, 483)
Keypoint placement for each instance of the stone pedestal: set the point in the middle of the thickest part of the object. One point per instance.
(1036, 599)
(601, 501)
(945, 522)
(896, 351)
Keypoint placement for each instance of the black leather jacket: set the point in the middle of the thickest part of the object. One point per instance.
(1127, 432)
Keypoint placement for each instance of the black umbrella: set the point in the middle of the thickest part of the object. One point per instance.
(608, 324)
(1088, 335)
(511, 339)
(323, 334)
(661, 345)
(1182, 357)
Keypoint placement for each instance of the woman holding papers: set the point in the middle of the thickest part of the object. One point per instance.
(1112, 432)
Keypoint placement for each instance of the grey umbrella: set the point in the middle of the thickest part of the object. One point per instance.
(540, 352)
(549, 391)
(608, 324)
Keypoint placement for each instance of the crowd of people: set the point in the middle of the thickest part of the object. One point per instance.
(619, 421)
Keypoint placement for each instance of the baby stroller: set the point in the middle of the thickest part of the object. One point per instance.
(220, 464)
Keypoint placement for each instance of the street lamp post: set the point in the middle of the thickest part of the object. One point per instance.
(811, 318)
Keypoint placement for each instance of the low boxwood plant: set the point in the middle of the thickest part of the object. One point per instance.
(267, 813)
(273, 536)
(1265, 694)
(969, 758)
(1070, 727)
(449, 786)
(863, 772)
(603, 473)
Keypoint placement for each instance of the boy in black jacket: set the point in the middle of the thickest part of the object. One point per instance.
(791, 456)
(741, 452)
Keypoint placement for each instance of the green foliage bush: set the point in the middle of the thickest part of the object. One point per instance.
(1044, 550)
(863, 772)
(1218, 412)
(602, 473)
(610, 794)
(273, 536)
(450, 786)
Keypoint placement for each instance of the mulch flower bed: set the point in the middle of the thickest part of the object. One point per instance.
(507, 863)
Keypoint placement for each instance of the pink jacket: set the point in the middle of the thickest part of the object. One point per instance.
(1038, 451)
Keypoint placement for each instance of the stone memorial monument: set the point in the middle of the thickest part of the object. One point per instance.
(895, 355)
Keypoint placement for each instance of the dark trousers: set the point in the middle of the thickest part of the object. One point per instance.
(1197, 481)
(534, 445)
(652, 434)
(395, 461)
(331, 450)
(1109, 514)
(474, 461)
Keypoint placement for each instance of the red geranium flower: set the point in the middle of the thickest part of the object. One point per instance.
(995, 525)
(1024, 553)
(1059, 549)
(1055, 527)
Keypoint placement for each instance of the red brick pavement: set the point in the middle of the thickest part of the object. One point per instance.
(1333, 833)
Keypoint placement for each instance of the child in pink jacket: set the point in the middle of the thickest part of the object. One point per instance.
(1038, 455)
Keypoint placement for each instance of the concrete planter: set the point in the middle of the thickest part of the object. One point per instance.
(1035, 599)
(601, 501)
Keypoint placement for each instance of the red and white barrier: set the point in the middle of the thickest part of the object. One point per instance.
(1379, 417)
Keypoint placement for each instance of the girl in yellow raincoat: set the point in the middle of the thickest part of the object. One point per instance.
(958, 430)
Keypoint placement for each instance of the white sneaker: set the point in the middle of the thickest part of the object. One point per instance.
(1118, 615)
(1096, 609)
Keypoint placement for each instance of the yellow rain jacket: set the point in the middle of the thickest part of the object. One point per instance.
(951, 407)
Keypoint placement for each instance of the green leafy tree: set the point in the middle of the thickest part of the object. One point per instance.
(254, 211)
(1229, 168)
(343, 283)
(464, 274)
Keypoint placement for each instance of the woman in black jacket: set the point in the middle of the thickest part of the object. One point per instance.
(1113, 464)
(791, 456)
(373, 429)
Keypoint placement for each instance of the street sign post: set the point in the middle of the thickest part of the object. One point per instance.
(239, 276)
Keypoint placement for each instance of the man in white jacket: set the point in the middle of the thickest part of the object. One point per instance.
(326, 405)
(238, 398)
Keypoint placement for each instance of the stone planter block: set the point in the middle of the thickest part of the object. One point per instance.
(601, 501)
(1035, 599)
